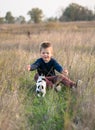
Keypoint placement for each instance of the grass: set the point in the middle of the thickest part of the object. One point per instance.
(74, 48)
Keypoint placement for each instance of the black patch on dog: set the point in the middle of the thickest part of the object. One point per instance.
(42, 87)
(44, 79)
(39, 86)
(40, 81)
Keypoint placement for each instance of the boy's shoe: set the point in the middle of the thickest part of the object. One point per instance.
(78, 84)
(58, 88)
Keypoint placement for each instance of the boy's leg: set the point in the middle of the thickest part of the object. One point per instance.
(61, 79)
(65, 80)
(53, 79)
(36, 76)
(49, 83)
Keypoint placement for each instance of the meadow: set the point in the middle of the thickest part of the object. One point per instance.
(74, 48)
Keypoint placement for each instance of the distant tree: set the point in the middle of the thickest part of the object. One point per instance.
(52, 19)
(75, 12)
(36, 15)
(9, 18)
(2, 20)
(20, 19)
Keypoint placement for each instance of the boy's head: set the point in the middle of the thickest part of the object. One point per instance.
(46, 51)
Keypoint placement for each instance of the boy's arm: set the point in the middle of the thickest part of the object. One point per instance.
(32, 67)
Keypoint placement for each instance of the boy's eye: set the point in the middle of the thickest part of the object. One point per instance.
(45, 53)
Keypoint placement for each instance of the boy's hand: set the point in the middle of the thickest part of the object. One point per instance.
(65, 72)
(28, 67)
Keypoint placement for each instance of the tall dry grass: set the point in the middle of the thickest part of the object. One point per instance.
(74, 48)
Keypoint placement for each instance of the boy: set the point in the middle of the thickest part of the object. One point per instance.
(46, 65)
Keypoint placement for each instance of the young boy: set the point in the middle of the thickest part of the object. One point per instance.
(46, 65)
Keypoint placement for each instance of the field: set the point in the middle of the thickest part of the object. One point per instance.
(74, 48)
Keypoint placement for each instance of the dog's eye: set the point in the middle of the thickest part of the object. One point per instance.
(38, 86)
(42, 87)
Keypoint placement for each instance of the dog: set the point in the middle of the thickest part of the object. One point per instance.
(41, 86)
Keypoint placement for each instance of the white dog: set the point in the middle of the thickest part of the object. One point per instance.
(41, 86)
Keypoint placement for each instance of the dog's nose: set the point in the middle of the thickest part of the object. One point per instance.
(38, 91)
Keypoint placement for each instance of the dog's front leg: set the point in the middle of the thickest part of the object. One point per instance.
(44, 94)
(38, 95)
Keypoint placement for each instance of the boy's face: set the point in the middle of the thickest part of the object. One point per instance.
(46, 54)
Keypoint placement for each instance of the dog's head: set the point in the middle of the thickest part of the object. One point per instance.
(41, 86)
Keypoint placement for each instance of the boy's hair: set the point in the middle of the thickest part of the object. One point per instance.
(45, 45)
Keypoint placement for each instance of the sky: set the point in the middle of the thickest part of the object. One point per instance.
(50, 8)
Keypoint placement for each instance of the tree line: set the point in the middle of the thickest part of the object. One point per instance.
(73, 12)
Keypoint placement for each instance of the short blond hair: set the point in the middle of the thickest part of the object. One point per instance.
(45, 45)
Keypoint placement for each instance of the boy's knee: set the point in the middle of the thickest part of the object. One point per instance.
(59, 78)
(36, 77)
